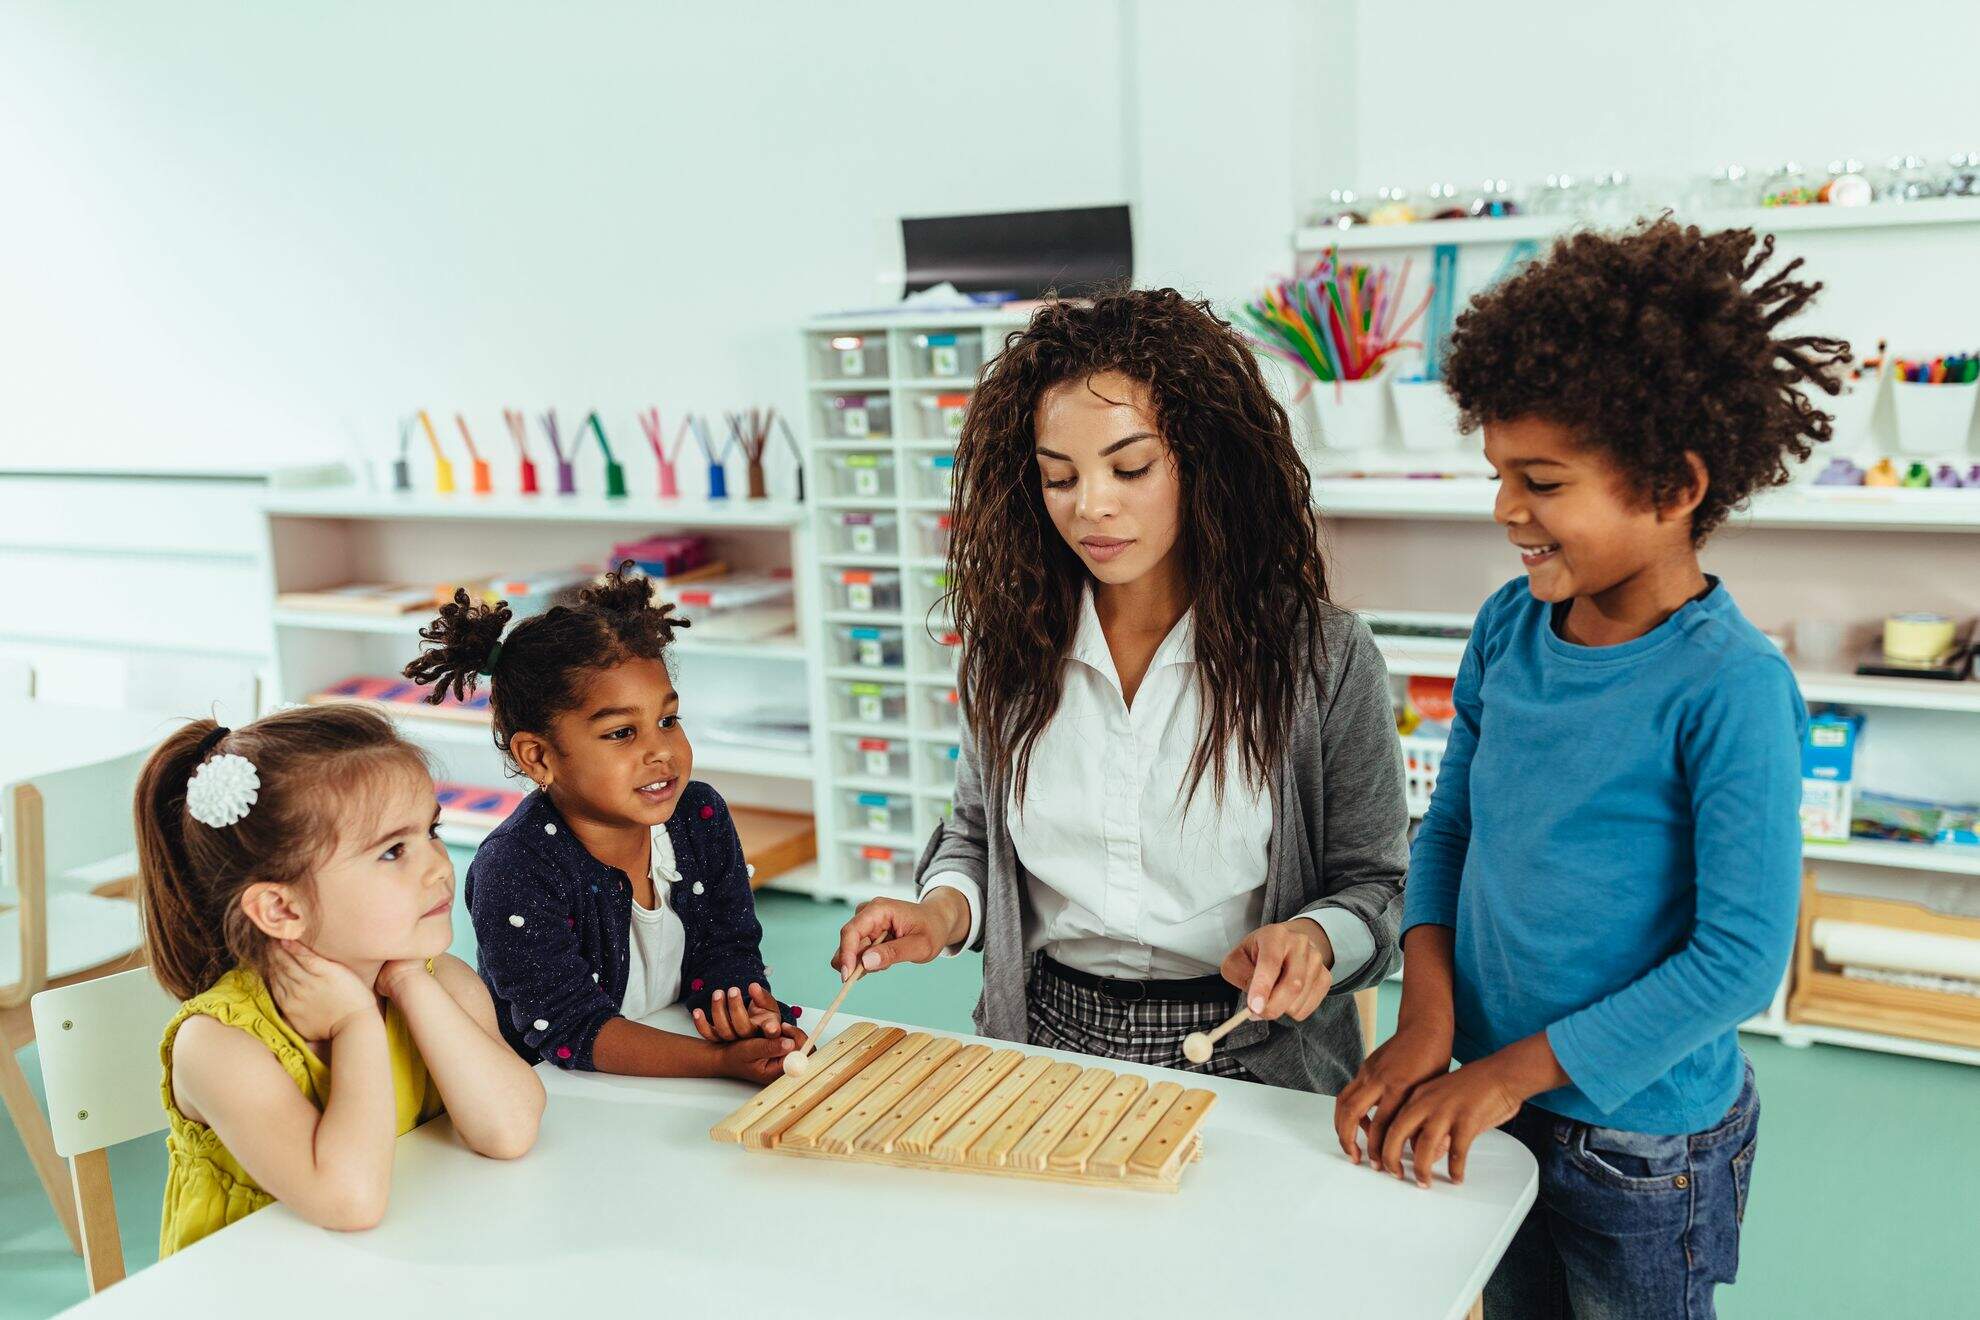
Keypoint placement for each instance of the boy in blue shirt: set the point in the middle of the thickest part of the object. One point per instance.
(1606, 882)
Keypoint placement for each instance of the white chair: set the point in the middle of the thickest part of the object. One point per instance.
(67, 915)
(99, 1066)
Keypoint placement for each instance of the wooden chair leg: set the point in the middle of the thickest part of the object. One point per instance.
(1365, 1005)
(32, 1124)
(96, 1206)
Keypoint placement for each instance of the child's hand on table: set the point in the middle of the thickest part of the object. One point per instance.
(758, 1059)
(1403, 1062)
(316, 995)
(1446, 1114)
(731, 1016)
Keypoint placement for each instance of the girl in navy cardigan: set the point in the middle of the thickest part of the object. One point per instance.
(618, 886)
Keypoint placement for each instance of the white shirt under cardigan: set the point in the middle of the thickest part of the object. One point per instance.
(1124, 879)
(659, 940)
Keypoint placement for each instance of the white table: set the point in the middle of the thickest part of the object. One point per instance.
(626, 1207)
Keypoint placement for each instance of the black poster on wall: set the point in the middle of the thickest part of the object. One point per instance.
(1026, 253)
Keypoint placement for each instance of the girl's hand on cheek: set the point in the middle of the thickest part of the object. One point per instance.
(393, 975)
(319, 997)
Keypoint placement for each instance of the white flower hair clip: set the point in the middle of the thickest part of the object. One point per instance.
(221, 791)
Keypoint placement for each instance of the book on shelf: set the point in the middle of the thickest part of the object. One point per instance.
(374, 598)
(400, 697)
(474, 807)
(739, 607)
(770, 728)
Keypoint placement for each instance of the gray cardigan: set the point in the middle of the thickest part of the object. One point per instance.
(1339, 837)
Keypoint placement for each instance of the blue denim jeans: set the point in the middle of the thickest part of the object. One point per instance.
(1627, 1226)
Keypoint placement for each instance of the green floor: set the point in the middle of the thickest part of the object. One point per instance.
(1866, 1195)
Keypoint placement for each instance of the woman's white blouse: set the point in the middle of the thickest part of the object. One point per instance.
(1124, 878)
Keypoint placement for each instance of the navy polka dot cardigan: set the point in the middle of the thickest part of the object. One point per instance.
(555, 923)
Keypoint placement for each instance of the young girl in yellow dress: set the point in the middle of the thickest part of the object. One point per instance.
(296, 896)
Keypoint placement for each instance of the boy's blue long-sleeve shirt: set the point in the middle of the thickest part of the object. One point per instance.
(554, 923)
(1615, 839)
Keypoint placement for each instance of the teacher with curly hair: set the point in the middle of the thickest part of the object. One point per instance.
(1180, 789)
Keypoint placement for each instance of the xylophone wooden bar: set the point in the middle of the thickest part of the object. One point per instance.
(915, 1100)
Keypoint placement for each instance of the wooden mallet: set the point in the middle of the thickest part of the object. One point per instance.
(1197, 1045)
(800, 1059)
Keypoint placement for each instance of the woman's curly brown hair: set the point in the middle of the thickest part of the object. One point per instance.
(1650, 344)
(541, 668)
(1248, 538)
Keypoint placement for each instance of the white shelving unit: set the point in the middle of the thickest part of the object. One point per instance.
(1837, 508)
(1538, 228)
(320, 537)
(883, 396)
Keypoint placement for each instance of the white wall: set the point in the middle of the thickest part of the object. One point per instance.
(243, 234)
(1450, 90)
(246, 235)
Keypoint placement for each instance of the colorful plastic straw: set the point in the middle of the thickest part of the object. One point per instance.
(718, 480)
(484, 482)
(1954, 369)
(566, 465)
(443, 470)
(797, 455)
(615, 475)
(402, 465)
(750, 432)
(519, 432)
(1339, 323)
(664, 458)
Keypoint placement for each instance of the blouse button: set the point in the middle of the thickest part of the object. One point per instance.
(708, 813)
(697, 886)
(541, 1024)
(549, 827)
(515, 919)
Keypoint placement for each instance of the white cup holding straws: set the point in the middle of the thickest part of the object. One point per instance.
(1353, 414)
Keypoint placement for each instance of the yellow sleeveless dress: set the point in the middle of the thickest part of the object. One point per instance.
(205, 1186)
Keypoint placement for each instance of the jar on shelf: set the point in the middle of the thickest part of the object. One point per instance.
(1787, 185)
(1847, 185)
(1343, 210)
(1392, 207)
(1962, 175)
(1493, 199)
(1906, 179)
(1559, 194)
(1443, 203)
(1611, 198)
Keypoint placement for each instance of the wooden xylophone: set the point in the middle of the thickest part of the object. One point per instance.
(883, 1095)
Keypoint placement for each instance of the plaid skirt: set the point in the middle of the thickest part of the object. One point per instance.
(1064, 1016)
